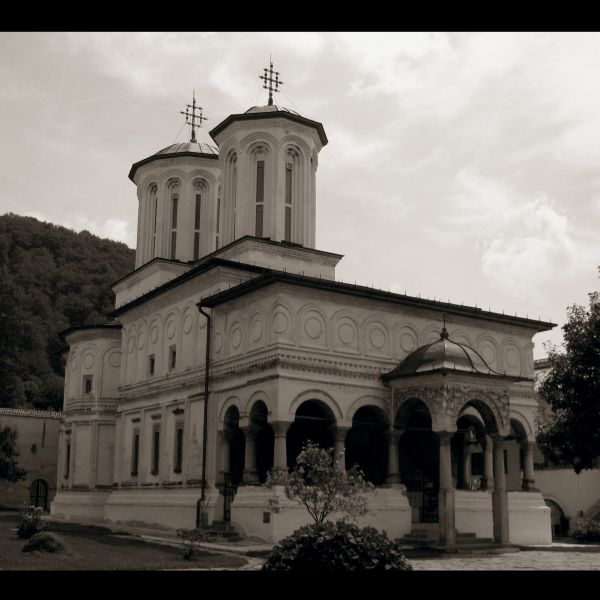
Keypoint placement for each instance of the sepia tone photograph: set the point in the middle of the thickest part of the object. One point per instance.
(299, 302)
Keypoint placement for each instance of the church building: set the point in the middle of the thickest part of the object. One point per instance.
(232, 343)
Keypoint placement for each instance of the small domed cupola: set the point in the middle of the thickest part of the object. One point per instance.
(178, 189)
(269, 160)
(442, 356)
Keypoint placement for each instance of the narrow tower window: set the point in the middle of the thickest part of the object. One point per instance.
(154, 204)
(218, 219)
(260, 196)
(234, 195)
(155, 449)
(197, 226)
(288, 202)
(87, 384)
(174, 201)
(172, 357)
(67, 459)
(135, 453)
(178, 448)
(151, 364)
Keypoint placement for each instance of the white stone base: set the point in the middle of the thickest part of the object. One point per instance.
(529, 520)
(473, 513)
(389, 511)
(84, 505)
(160, 508)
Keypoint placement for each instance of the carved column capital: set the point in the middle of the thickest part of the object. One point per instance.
(280, 428)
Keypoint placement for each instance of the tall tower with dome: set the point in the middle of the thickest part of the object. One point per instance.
(232, 343)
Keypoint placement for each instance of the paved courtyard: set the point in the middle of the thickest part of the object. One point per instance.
(531, 560)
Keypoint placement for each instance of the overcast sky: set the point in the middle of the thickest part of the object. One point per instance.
(459, 166)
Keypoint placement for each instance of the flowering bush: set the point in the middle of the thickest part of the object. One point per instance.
(337, 547)
(586, 530)
(191, 541)
(31, 521)
(321, 484)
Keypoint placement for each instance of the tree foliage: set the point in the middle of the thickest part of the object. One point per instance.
(569, 415)
(52, 278)
(9, 470)
(320, 483)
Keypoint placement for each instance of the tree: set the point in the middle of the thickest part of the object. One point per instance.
(320, 483)
(8, 456)
(569, 414)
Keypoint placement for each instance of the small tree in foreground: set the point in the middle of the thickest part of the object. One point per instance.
(321, 484)
(8, 456)
(569, 417)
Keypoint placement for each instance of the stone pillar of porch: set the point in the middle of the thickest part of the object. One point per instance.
(339, 434)
(280, 429)
(499, 495)
(225, 456)
(250, 474)
(446, 492)
(487, 481)
(393, 472)
(529, 477)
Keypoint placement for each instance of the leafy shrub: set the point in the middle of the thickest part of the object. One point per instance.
(191, 541)
(586, 530)
(31, 522)
(337, 547)
(45, 542)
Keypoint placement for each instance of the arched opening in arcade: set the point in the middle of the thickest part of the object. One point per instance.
(237, 446)
(38, 493)
(263, 439)
(515, 448)
(313, 421)
(560, 523)
(367, 445)
(419, 460)
(468, 447)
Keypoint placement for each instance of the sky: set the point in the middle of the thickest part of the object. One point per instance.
(460, 166)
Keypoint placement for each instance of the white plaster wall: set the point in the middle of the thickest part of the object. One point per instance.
(573, 493)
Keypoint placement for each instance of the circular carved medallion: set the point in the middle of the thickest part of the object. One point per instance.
(171, 329)
(187, 324)
(257, 330)
(489, 354)
(88, 361)
(313, 328)
(280, 322)
(154, 334)
(236, 338)
(131, 344)
(511, 358)
(408, 343)
(346, 333)
(377, 337)
(218, 342)
(114, 360)
(141, 340)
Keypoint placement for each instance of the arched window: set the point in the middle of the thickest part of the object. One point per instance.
(288, 201)
(227, 229)
(292, 190)
(174, 192)
(200, 189)
(178, 447)
(260, 196)
(153, 214)
(218, 218)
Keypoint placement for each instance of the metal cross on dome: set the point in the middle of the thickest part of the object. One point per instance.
(268, 78)
(444, 333)
(193, 119)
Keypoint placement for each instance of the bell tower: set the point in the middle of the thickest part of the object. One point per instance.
(269, 157)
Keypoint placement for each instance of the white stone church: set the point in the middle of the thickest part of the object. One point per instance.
(232, 343)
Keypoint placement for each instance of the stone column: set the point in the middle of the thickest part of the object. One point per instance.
(529, 477)
(487, 481)
(499, 495)
(393, 474)
(280, 429)
(225, 455)
(250, 475)
(339, 434)
(446, 491)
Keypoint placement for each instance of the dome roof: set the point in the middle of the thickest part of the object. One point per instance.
(201, 150)
(443, 355)
(189, 148)
(271, 108)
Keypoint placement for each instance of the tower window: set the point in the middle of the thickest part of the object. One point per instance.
(260, 196)
(151, 364)
(87, 384)
(172, 357)
(135, 453)
(178, 447)
(174, 201)
(67, 459)
(288, 202)
(197, 226)
(155, 449)
(218, 223)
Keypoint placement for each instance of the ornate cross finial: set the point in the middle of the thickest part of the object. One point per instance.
(444, 332)
(193, 119)
(268, 78)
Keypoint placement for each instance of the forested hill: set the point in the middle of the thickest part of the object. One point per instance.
(50, 278)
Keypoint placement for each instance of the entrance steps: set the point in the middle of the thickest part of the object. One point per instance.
(223, 531)
(426, 536)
